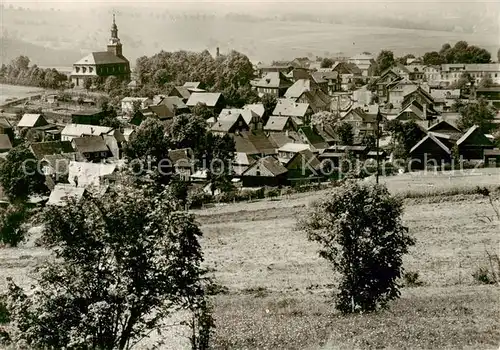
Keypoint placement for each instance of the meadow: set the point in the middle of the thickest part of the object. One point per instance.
(276, 292)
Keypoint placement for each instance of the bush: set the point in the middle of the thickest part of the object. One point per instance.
(360, 230)
(483, 276)
(412, 279)
(12, 228)
(197, 198)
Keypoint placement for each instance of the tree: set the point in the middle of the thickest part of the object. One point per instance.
(110, 117)
(188, 131)
(345, 133)
(480, 114)
(433, 58)
(369, 140)
(112, 83)
(385, 59)
(19, 175)
(147, 151)
(498, 55)
(218, 159)
(238, 97)
(324, 118)
(12, 228)
(463, 82)
(87, 83)
(202, 110)
(404, 136)
(269, 101)
(486, 82)
(404, 58)
(123, 262)
(327, 63)
(360, 230)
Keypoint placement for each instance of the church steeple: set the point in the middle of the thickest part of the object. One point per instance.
(114, 45)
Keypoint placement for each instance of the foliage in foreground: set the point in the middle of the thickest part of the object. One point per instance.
(360, 231)
(122, 263)
(12, 228)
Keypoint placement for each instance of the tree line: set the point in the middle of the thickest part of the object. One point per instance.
(462, 52)
(19, 72)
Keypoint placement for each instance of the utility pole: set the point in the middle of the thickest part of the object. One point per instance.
(377, 136)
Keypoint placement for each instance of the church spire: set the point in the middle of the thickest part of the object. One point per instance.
(114, 44)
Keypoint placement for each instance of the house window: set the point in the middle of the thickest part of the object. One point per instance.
(257, 172)
(77, 69)
(91, 69)
(84, 69)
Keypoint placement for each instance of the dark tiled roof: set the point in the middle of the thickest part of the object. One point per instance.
(312, 137)
(41, 149)
(5, 143)
(279, 139)
(183, 91)
(181, 157)
(271, 164)
(105, 57)
(90, 144)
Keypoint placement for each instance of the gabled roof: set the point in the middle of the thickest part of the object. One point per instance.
(89, 173)
(257, 108)
(294, 147)
(276, 123)
(84, 129)
(4, 122)
(279, 139)
(29, 120)
(192, 84)
(5, 143)
(287, 107)
(432, 137)
(312, 137)
(271, 164)
(318, 100)
(173, 102)
(323, 77)
(253, 142)
(443, 125)
(181, 157)
(274, 80)
(209, 98)
(298, 88)
(162, 111)
(225, 124)
(309, 160)
(233, 113)
(102, 57)
(62, 192)
(183, 91)
(367, 113)
(481, 139)
(90, 144)
(41, 149)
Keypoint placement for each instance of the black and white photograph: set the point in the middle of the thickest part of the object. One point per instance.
(249, 174)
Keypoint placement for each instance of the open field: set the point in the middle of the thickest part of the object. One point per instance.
(278, 291)
(14, 92)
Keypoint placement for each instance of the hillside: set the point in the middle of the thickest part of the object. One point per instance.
(40, 55)
(262, 36)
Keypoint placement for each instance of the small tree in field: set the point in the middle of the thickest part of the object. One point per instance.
(122, 263)
(360, 232)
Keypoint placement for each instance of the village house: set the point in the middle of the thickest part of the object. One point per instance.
(30, 121)
(263, 69)
(267, 171)
(328, 81)
(310, 137)
(297, 74)
(365, 62)
(5, 143)
(363, 120)
(303, 164)
(85, 174)
(274, 83)
(288, 151)
(182, 162)
(6, 128)
(230, 124)
(279, 124)
(300, 112)
(490, 94)
(71, 131)
(254, 143)
(397, 90)
(62, 193)
(213, 100)
(127, 103)
(349, 73)
(102, 64)
(92, 148)
(88, 116)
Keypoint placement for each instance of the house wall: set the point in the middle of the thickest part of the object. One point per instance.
(429, 152)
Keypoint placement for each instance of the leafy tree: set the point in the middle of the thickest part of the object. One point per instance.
(324, 118)
(203, 111)
(112, 83)
(327, 63)
(385, 59)
(486, 82)
(110, 117)
(480, 114)
(148, 149)
(12, 228)
(19, 175)
(345, 133)
(87, 83)
(433, 58)
(360, 230)
(463, 82)
(188, 130)
(404, 136)
(218, 159)
(369, 140)
(404, 58)
(238, 97)
(269, 101)
(123, 263)
(21, 63)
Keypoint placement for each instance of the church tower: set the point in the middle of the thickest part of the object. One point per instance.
(114, 44)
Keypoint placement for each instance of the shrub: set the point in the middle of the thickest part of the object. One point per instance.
(412, 279)
(483, 275)
(360, 230)
(196, 198)
(12, 228)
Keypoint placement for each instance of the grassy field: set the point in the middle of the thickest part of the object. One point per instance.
(279, 292)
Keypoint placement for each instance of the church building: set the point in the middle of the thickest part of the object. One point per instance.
(104, 63)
